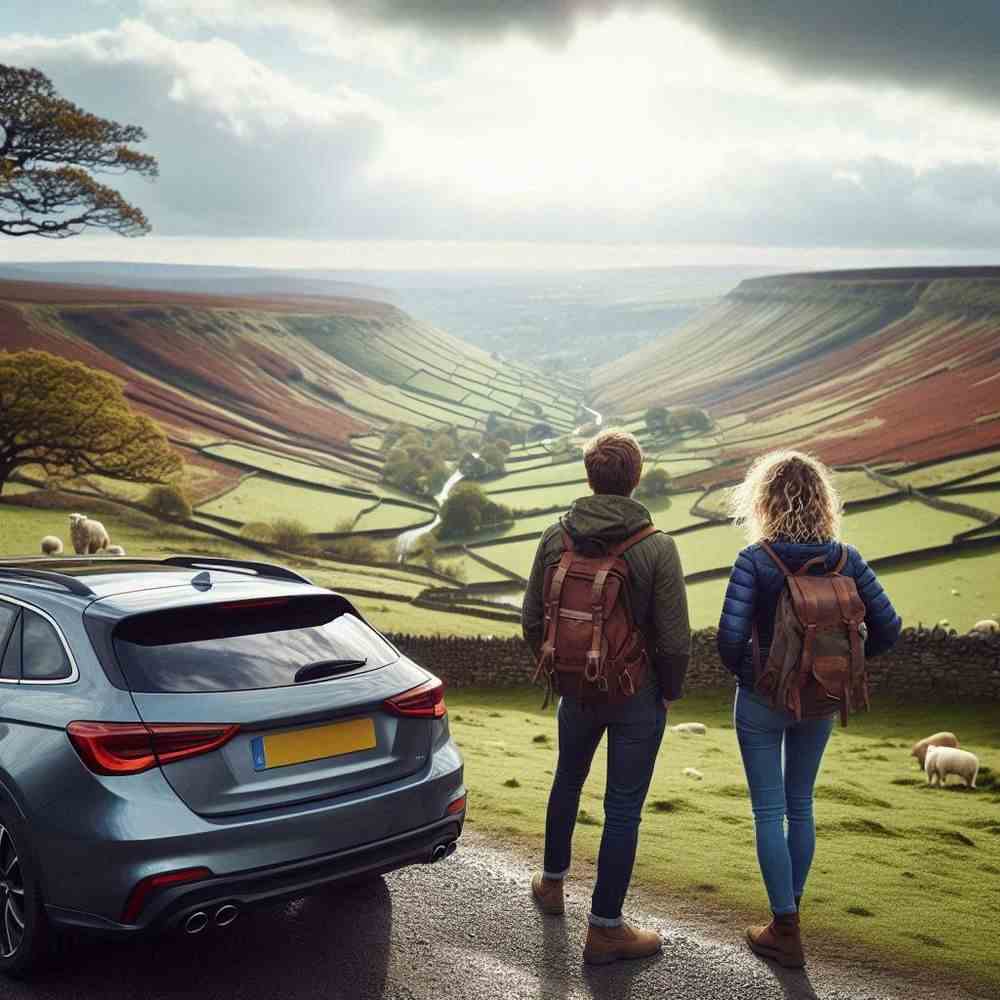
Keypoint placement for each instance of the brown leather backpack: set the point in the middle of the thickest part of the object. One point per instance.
(816, 664)
(593, 648)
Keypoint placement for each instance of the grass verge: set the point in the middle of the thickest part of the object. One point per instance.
(896, 862)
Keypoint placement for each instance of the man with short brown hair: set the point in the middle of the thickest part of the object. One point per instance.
(594, 525)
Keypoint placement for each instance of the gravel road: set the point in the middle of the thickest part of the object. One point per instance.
(463, 929)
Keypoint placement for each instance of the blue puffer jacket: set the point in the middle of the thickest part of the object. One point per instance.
(754, 588)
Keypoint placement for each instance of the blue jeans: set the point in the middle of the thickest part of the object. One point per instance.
(781, 788)
(635, 731)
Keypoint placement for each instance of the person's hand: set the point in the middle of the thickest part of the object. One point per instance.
(667, 703)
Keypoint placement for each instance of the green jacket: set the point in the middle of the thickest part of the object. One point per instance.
(657, 581)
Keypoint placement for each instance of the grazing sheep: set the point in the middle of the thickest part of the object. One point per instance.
(88, 536)
(698, 728)
(52, 546)
(937, 740)
(115, 550)
(986, 627)
(942, 761)
(693, 772)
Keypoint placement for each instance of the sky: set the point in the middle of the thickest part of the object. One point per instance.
(403, 133)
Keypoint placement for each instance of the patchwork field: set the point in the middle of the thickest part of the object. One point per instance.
(281, 408)
(871, 885)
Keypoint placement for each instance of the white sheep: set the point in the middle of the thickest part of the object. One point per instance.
(52, 546)
(942, 761)
(944, 739)
(698, 728)
(115, 550)
(693, 772)
(88, 536)
(986, 627)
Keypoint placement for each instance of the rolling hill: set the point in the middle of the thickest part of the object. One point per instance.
(893, 366)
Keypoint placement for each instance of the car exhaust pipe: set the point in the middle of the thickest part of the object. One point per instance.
(442, 851)
(196, 923)
(226, 914)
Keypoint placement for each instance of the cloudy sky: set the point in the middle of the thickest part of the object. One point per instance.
(861, 130)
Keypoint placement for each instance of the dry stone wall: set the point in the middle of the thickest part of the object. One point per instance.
(925, 665)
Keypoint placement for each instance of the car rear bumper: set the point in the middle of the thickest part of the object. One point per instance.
(171, 908)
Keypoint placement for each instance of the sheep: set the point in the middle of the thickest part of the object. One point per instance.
(88, 536)
(986, 627)
(942, 761)
(115, 550)
(698, 728)
(52, 546)
(937, 740)
(693, 772)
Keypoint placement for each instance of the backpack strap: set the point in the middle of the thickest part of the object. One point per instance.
(622, 547)
(766, 546)
(548, 650)
(841, 562)
(594, 672)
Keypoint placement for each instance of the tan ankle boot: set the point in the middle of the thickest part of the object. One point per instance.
(609, 944)
(548, 895)
(780, 940)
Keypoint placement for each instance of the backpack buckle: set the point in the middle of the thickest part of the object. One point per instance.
(593, 670)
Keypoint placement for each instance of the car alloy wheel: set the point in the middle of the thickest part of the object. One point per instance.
(11, 897)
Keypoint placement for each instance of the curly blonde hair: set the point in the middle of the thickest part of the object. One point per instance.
(788, 495)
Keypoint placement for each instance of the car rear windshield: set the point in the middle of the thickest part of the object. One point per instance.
(247, 645)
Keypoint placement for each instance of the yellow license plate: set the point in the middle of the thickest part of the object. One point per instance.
(334, 740)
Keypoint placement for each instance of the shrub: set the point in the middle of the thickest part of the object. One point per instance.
(655, 483)
(657, 419)
(258, 531)
(169, 502)
(289, 534)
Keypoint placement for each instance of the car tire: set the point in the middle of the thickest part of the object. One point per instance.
(25, 935)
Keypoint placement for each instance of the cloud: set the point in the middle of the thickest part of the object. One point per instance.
(242, 148)
(923, 45)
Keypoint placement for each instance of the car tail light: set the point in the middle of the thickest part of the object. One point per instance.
(423, 702)
(143, 890)
(131, 747)
(456, 807)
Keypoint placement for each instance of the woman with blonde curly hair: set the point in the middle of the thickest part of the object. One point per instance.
(788, 499)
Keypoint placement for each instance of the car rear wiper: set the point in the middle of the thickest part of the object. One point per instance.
(326, 668)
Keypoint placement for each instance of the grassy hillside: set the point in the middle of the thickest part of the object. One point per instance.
(884, 366)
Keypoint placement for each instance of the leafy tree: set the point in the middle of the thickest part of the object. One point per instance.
(49, 150)
(289, 534)
(169, 501)
(692, 417)
(472, 466)
(540, 432)
(74, 421)
(655, 483)
(658, 420)
(493, 457)
(468, 509)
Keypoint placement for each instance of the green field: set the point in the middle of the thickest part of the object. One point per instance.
(542, 497)
(293, 468)
(902, 526)
(871, 885)
(709, 548)
(985, 500)
(474, 571)
(261, 499)
(389, 516)
(542, 475)
(945, 472)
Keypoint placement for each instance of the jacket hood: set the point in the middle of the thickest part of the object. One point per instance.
(795, 554)
(605, 519)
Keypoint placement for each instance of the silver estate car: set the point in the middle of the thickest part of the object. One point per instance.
(180, 738)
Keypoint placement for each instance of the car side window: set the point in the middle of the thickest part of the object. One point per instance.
(43, 657)
(10, 643)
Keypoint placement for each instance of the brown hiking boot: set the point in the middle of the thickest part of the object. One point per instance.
(780, 941)
(548, 895)
(609, 944)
